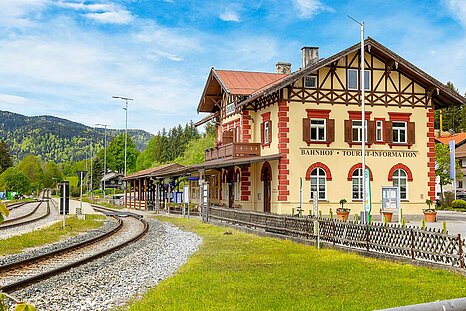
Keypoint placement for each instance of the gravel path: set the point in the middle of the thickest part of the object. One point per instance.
(115, 279)
(52, 218)
(88, 235)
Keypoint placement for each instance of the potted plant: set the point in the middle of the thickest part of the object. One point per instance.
(342, 212)
(386, 216)
(430, 214)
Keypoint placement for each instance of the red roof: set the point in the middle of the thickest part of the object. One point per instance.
(246, 82)
(459, 137)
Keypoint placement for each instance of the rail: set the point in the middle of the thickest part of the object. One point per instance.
(8, 288)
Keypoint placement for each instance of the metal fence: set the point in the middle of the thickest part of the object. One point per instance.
(391, 239)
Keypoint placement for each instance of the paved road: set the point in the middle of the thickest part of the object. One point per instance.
(456, 222)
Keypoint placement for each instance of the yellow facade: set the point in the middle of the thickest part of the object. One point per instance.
(392, 97)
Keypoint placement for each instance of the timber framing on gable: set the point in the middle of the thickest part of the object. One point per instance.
(388, 86)
(332, 90)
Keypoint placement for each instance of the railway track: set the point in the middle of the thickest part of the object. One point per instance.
(27, 218)
(18, 275)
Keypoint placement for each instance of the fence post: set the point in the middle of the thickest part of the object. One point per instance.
(367, 237)
(412, 243)
(334, 231)
(460, 251)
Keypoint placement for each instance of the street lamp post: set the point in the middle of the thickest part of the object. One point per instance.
(105, 151)
(363, 120)
(126, 99)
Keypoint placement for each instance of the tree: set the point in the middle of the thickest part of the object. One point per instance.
(442, 170)
(14, 180)
(454, 118)
(52, 174)
(195, 150)
(116, 150)
(31, 167)
(6, 160)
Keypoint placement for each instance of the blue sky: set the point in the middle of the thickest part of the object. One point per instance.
(67, 58)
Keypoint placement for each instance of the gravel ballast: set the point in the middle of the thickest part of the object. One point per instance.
(115, 279)
(52, 218)
(106, 227)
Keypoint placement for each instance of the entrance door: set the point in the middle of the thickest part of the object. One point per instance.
(231, 193)
(267, 190)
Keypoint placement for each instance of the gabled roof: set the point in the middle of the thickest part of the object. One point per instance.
(233, 82)
(442, 96)
(110, 176)
(459, 139)
(154, 171)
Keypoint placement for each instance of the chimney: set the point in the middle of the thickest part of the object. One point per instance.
(310, 55)
(283, 68)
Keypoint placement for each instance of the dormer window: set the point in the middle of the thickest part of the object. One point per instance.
(310, 82)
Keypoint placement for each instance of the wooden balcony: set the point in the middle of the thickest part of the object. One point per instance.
(233, 151)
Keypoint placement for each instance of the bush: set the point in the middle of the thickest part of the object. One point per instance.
(458, 204)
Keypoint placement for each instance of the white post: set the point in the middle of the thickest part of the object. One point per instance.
(300, 194)
(126, 135)
(81, 196)
(105, 157)
(64, 204)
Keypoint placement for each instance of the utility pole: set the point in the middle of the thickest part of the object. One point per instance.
(105, 151)
(126, 99)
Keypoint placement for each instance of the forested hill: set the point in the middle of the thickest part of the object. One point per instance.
(57, 139)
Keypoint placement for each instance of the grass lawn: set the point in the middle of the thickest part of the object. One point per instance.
(74, 226)
(246, 272)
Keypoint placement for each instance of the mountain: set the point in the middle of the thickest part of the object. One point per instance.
(57, 139)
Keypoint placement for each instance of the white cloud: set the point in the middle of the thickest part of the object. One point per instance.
(458, 9)
(120, 17)
(21, 13)
(157, 53)
(229, 15)
(310, 8)
(8, 99)
(105, 13)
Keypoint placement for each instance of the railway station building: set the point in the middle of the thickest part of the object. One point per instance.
(279, 128)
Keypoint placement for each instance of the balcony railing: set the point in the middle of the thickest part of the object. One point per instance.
(233, 151)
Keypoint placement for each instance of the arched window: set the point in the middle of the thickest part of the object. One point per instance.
(318, 183)
(400, 179)
(356, 179)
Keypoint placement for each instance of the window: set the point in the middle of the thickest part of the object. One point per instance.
(318, 183)
(353, 75)
(266, 138)
(367, 80)
(379, 130)
(460, 184)
(463, 162)
(356, 130)
(399, 132)
(352, 79)
(318, 130)
(400, 179)
(357, 184)
(310, 82)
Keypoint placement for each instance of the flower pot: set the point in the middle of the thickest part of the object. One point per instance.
(387, 216)
(342, 215)
(430, 216)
